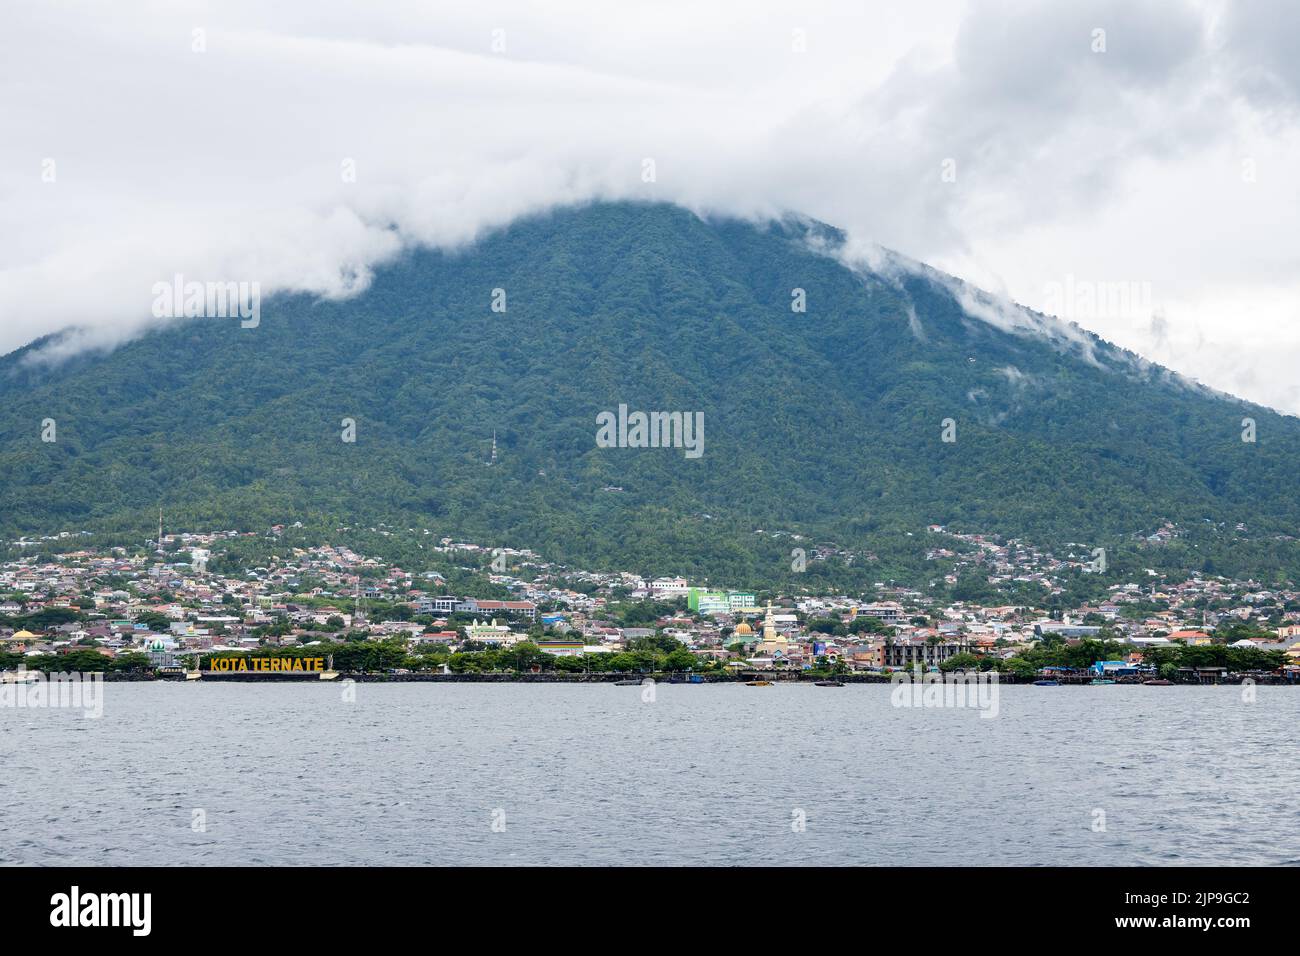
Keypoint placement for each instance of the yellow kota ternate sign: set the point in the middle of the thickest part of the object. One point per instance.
(277, 665)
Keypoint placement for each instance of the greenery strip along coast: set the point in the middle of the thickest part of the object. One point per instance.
(654, 658)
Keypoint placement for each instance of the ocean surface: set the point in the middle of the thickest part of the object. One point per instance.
(294, 774)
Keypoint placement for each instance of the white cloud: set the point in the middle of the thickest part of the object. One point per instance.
(225, 164)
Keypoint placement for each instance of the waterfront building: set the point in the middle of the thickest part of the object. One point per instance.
(573, 648)
(493, 633)
(906, 653)
(562, 648)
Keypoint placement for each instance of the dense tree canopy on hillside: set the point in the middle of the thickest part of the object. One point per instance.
(825, 424)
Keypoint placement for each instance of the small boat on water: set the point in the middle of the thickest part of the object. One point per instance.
(1047, 683)
(20, 676)
(1100, 680)
(627, 683)
(758, 683)
(1160, 682)
(828, 683)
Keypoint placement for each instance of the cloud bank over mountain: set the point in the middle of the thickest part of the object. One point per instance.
(1025, 147)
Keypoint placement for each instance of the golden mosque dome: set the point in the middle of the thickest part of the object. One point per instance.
(743, 628)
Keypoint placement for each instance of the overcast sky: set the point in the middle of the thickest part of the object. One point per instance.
(1016, 145)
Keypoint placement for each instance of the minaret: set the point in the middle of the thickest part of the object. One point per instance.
(359, 613)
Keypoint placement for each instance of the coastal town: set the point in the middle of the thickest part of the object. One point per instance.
(158, 612)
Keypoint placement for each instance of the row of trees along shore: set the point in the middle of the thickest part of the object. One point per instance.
(658, 654)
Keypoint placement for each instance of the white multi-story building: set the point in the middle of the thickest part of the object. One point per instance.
(668, 587)
(742, 601)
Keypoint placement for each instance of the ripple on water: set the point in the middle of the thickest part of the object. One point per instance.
(417, 773)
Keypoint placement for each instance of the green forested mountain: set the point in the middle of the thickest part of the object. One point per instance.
(826, 423)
